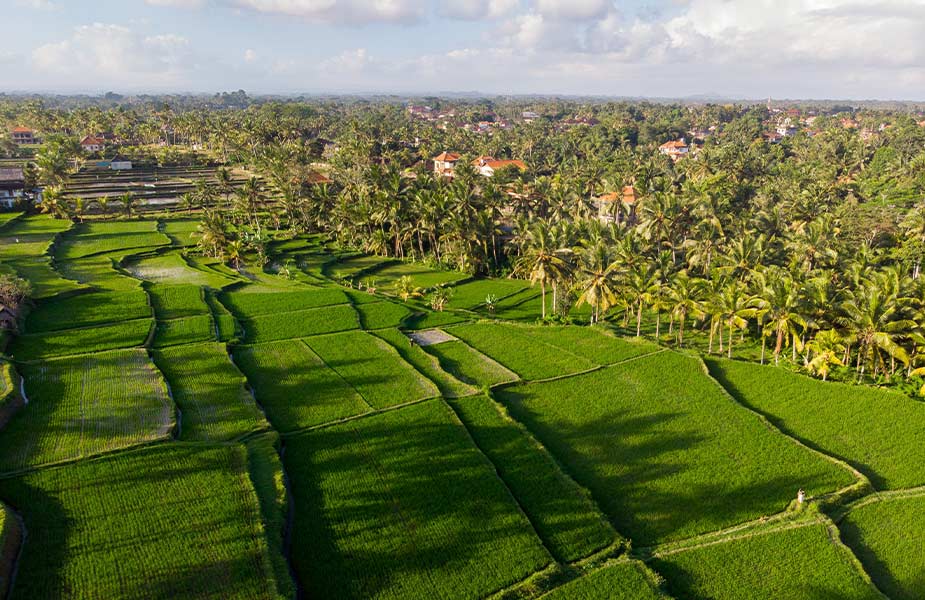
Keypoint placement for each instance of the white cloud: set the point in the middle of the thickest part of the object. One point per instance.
(578, 10)
(342, 11)
(250, 55)
(113, 54)
(475, 10)
(176, 3)
(38, 4)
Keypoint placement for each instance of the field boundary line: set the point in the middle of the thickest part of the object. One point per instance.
(835, 538)
(875, 497)
(862, 485)
(619, 542)
(104, 454)
(338, 373)
(494, 469)
(19, 535)
(434, 363)
(487, 359)
(784, 521)
(526, 330)
(585, 372)
(372, 413)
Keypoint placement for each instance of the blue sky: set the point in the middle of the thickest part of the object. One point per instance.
(738, 48)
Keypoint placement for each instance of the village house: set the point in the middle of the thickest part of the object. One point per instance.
(445, 163)
(120, 163)
(91, 143)
(12, 186)
(23, 135)
(487, 165)
(608, 210)
(675, 150)
(529, 116)
(773, 137)
(8, 319)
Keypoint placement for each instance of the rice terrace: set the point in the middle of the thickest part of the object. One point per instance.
(590, 333)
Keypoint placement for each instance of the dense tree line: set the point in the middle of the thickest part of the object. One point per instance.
(812, 246)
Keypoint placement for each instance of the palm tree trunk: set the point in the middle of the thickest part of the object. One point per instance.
(543, 292)
(639, 319)
(658, 322)
(730, 342)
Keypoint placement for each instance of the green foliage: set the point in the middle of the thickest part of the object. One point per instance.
(685, 460)
(789, 564)
(210, 392)
(877, 431)
(379, 315)
(188, 330)
(888, 536)
(88, 309)
(617, 581)
(512, 347)
(80, 406)
(295, 387)
(80, 341)
(252, 304)
(563, 514)
(165, 522)
(373, 368)
(402, 505)
(469, 365)
(313, 321)
(428, 365)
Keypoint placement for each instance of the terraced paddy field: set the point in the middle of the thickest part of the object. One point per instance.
(194, 430)
(795, 563)
(881, 433)
(164, 522)
(888, 534)
(668, 458)
(403, 505)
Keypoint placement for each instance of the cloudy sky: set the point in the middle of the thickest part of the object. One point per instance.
(855, 49)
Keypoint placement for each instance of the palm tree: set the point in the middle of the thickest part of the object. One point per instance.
(543, 262)
(876, 321)
(596, 287)
(826, 348)
(685, 300)
(127, 201)
(777, 302)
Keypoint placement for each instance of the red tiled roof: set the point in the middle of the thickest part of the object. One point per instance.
(500, 164)
(447, 157)
(92, 141)
(315, 178)
(21, 130)
(673, 144)
(628, 196)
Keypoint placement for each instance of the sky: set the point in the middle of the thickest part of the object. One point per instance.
(822, 49)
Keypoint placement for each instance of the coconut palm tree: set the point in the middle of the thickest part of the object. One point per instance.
(826, 349)
(685, 296)
(543, 261)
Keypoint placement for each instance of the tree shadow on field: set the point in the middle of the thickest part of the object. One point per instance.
(402, 505)
(651, 476)
(164, 522)
(717, 372)
(909, 589)
(40, 565)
